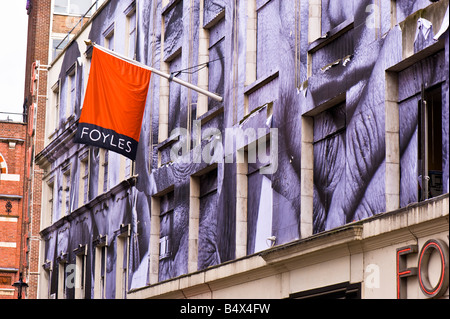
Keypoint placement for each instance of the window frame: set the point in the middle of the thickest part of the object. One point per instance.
(109, 36)
(101, 254)
(122, 262)
(71, 89)
(50, 199)
(131, 12)
(66, 188)
(62, 287)
(84, 178)
(426, 146)
(56, 102)
(80, 279)
(105, 165)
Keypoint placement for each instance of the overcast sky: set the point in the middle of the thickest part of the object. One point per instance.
(13, 44)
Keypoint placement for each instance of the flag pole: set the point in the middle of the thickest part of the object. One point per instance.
(169, 77)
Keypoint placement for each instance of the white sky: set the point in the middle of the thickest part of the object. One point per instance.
(13, 46)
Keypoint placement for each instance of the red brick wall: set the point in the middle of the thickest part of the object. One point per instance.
(9, 233)
(37, 50)
(11, 223)
(64, 23)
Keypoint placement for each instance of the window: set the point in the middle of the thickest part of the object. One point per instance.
(47, 273)
(430, 143)
(164, 241)
(62, 281)
(84, 179)
(173, 29)
(174, 96)
(262, 55)
(131, 32)
(103, 183)
(167, 206)
(109, 37)
(122, 262)
(172, 38)
(50, 190)
(314, 20)
(86, 72)
(58, 44)
(72, 7)
(66, 191)
(266, 49)
(71, 90)
(210, 54)
(251, 35)
(208, 197)
(423, 172)
(254, 195)
(72, 87)
(62, 263)
(166, 230)
(259, 203)
(100, 267)
(127, 167)
(105, 170)
(329, 154)
(216, 64)
(80, 271)
(103, 272)
(55, 122)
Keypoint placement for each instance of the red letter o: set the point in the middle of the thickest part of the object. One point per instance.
(441, 287)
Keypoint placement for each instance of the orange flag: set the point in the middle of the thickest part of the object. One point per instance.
(114, 104)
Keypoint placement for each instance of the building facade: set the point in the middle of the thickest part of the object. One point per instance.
(51, 24)
(324, 170)
(12, 210)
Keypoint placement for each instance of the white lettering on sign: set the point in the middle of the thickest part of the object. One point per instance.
(95, 135)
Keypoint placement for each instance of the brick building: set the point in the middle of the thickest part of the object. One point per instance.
(13, 166)
(34, 106)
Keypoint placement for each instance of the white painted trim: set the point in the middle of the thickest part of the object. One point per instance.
(10, 177)
(9, 219)
(7, 291)
(8, 244)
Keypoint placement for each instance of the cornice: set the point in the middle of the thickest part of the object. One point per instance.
(97, 201)
(61, 144)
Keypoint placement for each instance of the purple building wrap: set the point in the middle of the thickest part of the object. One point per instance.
(337, 81)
